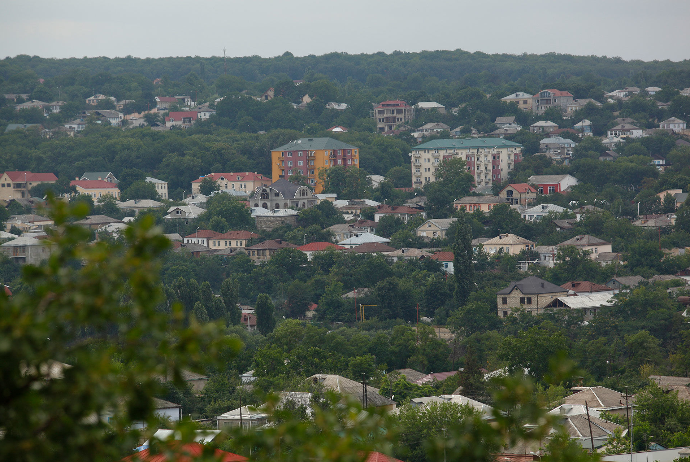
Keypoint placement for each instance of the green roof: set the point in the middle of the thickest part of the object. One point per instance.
(314, 144)
(468, 143)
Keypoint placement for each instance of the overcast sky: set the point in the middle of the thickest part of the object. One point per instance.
(631, 29)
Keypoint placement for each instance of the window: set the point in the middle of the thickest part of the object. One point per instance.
(504, 300)
(552, 189)
(289, 154)
(522, 300)
(299, 163)
(299, 154)
(505, 314)
(289, 163)
(340, 161)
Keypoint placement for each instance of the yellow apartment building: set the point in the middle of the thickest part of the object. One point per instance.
(310, 155)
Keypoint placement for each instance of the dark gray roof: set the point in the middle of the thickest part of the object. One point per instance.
(314, 144)
(285, 188)
(533, 285)
(583, 240)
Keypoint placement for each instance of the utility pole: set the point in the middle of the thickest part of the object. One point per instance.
(225, 63)
(589, 421)
(627, 415)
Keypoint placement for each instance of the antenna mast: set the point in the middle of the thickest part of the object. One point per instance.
(225, 63)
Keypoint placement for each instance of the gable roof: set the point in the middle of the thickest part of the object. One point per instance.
(347, 386)
(391, 209)
(508, 239)
(532, 285)
(596, 397)
(203, 233)
(98, 176)
(441, 223)
(442, 256)
(583, 240)
(505, 120)
(363, 238)
(545, 208)
(93, 184)
(31, 177)
(314, 144)
(629, 281)
(521, 188)
(285, 188)
(237, 235)
(578, 426)
(319, 247)
(549, 179)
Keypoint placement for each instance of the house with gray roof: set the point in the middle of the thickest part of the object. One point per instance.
(532, 293)
(538, 212)
(435, 228)
(282, 194)
(588, 304)
(100, 176)
(26, 250)
(356, 390)
(588, 243)
(549, 184)
(625, 282)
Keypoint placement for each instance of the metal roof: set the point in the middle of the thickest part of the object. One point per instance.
(314, 144)
(467, 143)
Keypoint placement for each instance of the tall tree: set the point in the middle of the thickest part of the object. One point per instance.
(265, 322)
(230, 291)
(462, 261)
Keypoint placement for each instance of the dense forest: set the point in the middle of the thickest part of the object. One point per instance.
(642, 334)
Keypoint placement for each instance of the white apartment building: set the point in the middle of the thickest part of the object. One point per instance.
(489, 160)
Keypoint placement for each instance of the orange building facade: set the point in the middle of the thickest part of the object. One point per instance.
(308, 156)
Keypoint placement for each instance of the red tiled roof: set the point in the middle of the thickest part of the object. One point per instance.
(378, 457)
(187, 453)
(396, 209)
(237, 235)
(319, 246)
(203, 233)
(93, 184)
(31, 177)
(244, 176)
(442, 256)
(522, 187)
(182, 115)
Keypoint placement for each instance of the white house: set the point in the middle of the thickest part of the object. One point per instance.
(538, 212)
(625, 131)
(673, 124)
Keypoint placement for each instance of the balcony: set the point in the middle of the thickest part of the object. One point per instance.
(417, 173)
(436, 155)
(417, 162)
(416, 154)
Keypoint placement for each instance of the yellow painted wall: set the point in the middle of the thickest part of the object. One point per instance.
(319, 164)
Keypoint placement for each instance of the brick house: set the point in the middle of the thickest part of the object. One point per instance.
(483, 203)
(435, 228)
(518, 194)
(96, 188)
(587, 243)
(531, 293)
(508, 243)
(390, 114)
(263, 251)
